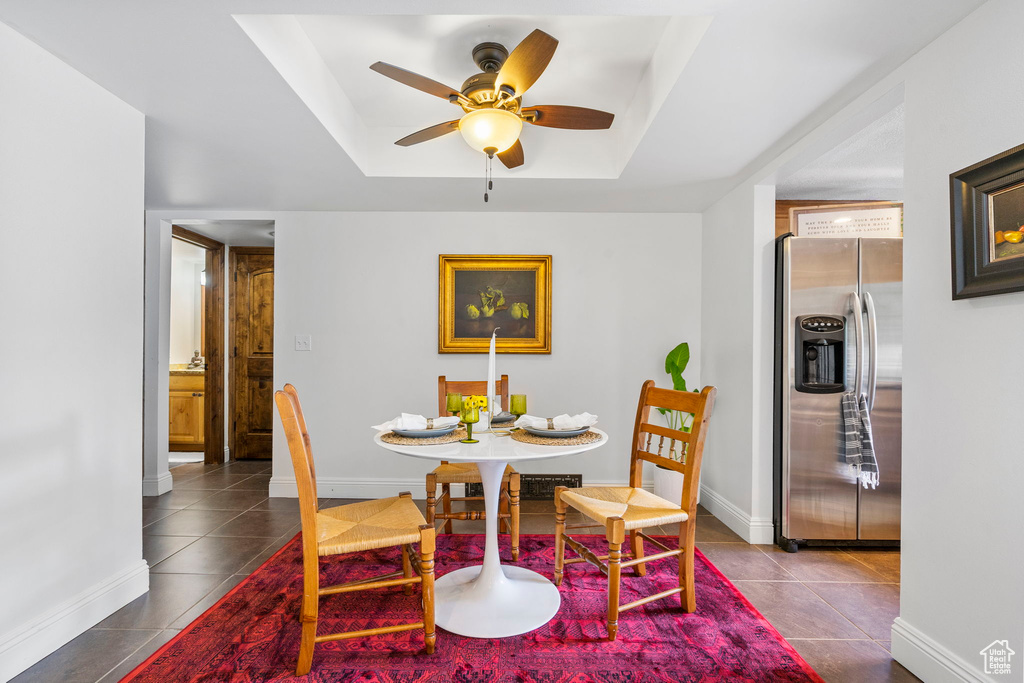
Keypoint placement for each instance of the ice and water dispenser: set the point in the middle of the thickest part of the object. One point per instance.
(820, 358)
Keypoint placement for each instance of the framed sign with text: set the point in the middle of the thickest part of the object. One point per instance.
(871, 219)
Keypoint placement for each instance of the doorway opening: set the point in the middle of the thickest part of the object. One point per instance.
(196, 382)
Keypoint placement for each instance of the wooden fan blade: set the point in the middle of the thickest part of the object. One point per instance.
(513, 156)
(562, 116)
(429, 133)
(414, 80)
(526, 63)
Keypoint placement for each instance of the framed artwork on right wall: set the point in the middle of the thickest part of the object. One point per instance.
(987, 226)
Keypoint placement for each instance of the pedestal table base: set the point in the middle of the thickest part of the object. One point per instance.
(517, 602)
(493, 600)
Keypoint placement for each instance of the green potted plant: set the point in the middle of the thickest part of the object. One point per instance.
(668, 484)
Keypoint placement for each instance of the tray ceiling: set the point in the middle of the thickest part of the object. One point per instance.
(705, 92)
(624, 65)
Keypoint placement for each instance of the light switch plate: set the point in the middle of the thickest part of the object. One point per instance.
(303, 342)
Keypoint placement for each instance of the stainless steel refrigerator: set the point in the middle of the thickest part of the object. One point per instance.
(839, 312)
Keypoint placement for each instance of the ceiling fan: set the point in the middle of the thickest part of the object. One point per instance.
(492, 100)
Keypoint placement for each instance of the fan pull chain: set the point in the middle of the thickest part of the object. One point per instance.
(488, 175)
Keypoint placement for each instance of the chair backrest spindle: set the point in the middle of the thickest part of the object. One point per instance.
(691, 444)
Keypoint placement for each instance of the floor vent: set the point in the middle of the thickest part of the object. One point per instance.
(536, 486)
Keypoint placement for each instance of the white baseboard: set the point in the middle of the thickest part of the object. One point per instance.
(26, 644)
(759, 530)
(157, 486)
(334, 487)
(929, 660)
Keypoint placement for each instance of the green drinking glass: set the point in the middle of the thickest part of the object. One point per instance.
(470, 415)
(454, 403)
(517, 405)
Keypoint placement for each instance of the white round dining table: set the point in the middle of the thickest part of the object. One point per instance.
(493, 600)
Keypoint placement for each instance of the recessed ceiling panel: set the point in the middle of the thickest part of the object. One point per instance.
(625, 65)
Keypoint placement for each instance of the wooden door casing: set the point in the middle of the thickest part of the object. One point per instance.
(252, 352)
(212, 343)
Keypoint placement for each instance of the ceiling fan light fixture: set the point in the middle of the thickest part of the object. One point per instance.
(491, 131)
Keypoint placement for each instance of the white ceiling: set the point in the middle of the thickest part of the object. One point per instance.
(226, 131)
(868, 165)
(234, 233)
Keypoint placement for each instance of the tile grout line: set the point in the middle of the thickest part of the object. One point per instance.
(825, 602)
(823, 598)
(813, 592)
(130, 654)
(777, 564)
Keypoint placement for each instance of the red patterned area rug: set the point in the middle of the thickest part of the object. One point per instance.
(252, 634)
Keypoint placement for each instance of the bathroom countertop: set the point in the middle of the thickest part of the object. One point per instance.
(181, 372)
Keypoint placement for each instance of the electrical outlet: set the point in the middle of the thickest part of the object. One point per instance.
(303, 342)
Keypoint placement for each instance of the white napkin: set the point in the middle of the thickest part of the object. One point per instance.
(409, 421)
(561, 422)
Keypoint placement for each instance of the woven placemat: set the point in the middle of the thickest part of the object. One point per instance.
(391, 437)
(527, 437)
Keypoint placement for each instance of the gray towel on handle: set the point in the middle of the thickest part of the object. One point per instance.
(858, 448)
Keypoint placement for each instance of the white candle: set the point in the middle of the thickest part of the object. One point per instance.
(491, 388)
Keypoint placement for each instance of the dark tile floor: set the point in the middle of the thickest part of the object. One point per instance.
(218, 525)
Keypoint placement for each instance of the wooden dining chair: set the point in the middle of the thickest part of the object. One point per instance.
(448, 473)
(357, 527)
(630, 508)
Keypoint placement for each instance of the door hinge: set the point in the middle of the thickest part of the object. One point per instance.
(236, 276)
(235, 352)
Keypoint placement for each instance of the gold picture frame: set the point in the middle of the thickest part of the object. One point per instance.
(477, 293)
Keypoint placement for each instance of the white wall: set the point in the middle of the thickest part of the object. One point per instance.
(736, 308)
(156, 478)
(963, 459)
(624, 292)
(71, 207)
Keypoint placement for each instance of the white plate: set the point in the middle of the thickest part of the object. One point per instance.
(557, 433)
(503, 416)
(425, 433)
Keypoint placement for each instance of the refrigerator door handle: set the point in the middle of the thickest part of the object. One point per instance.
(858, 333)
(869, 307)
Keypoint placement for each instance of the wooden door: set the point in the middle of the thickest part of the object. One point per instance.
(252, 352)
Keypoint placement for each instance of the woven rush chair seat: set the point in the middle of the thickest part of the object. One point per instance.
(464, 473)
(368, 525)
(638, 508)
